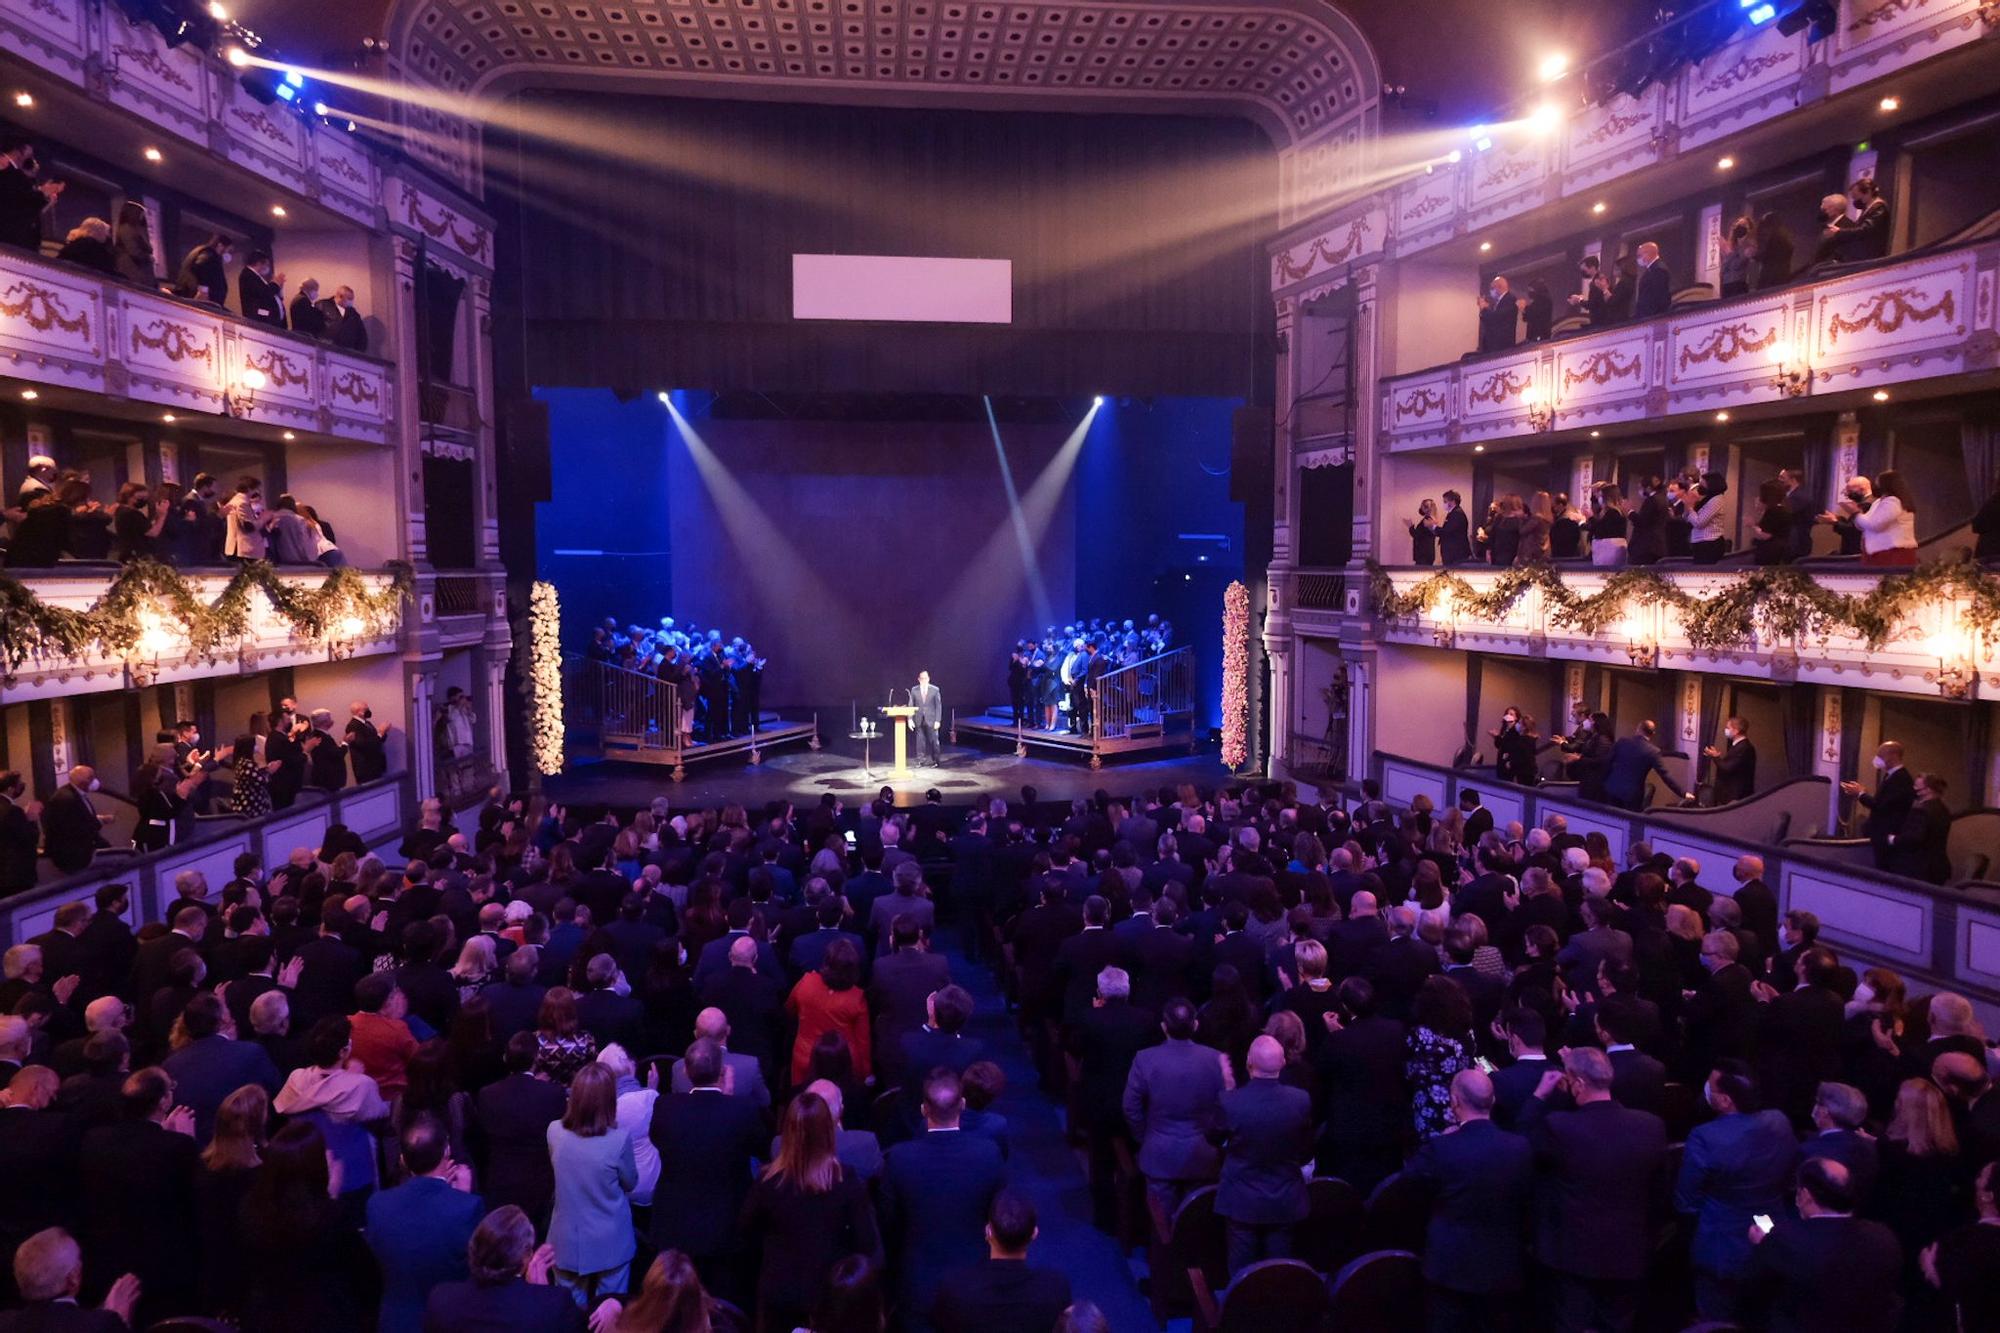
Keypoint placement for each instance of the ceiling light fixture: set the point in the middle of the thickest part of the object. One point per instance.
(277, 210)
(154, 155)
(1891, 103)
(1722, 416)
(30, 395)
(24, 99)
(1880, 395)
(1725, 163)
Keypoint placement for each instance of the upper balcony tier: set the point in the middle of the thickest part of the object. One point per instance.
(1764, 96)
(85, 629)
(1915, 319)
(70, 329)
(1928, 633)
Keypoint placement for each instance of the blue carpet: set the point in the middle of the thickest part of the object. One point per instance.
(1047, 1170)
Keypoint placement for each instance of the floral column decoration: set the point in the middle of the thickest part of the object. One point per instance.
(545, 701)
(1235, 675)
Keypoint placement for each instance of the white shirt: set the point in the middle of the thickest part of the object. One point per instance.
(1886, 525)
(1707, 520)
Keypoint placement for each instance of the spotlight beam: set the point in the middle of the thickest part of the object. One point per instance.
(987, 575)
(1038, 588)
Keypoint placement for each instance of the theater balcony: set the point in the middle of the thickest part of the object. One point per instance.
(81, 629)
(1922, 323)
(71, 338)
(1742, 622)
(103, 78)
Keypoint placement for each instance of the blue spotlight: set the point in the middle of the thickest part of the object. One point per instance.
(1760, 12)
(286, 92)
(296, 79)
(1097, 401)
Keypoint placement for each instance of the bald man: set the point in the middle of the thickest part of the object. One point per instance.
(1267, 1138)
(72, 825)
(742, 1075)
(1656, 284)
(1482, 1181)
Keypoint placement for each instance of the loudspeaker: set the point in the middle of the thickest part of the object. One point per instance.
(1250, 453)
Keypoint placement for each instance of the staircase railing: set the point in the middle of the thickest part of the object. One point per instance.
(632, 708)
(1146, 697)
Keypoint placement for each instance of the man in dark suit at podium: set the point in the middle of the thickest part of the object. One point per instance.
(928, 717)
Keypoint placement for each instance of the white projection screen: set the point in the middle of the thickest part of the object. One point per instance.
(903, 288)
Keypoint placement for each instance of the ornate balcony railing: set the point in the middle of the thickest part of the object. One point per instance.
(1932, 627)
(65, 326)
(345, 614)
(1930, 315)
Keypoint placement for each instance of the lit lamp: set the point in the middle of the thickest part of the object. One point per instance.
(1444, 618)
(1541, 412)
(240, 398)
(1957, 674)
(346, 636)
(1793, 375)
(1642, 639)
(142, 659)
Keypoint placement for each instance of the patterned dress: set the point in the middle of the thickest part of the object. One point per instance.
(1433, 1061)
(252, 794)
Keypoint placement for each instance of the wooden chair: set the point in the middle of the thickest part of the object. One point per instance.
(1332, 1233)
(1271, 1296)
(1382, 1292)
(1399, 1213)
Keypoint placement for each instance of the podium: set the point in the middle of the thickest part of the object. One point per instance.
(900, 715)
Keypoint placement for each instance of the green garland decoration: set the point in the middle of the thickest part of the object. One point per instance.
(31, 628)
(1784, 601)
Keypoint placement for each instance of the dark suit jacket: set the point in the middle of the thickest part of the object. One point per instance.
(1633, 758)
(70, 830)
(1736, 773)
(344, 329)
(1638, 1080)
(1000, 1296)
(308, 318)
(1482, 1181)
(1078, 961)
(1352, 944)
(1603, 1170)
(1798, 1046)
(1162, 962)
(260, 300)
(37, 1171)
(934, 1195)
(1655, 291)
(1855, 1151)
(137, 1203)
(754, 1005)
(514, 1007)
(1172, 1099)
(19, 844)
(1888, 807)
(514, 1307)
(1921, 848)
(706, 1142)
(1833, 1273)
(326, 982)
(513, 1117)
(1105, 1043)
(1515, 1084)
(207, 1071)
(59, 1317)
(1499, 325)
(419, 1231)
(1454, 538)
(1267, 1138)
(1398, 968)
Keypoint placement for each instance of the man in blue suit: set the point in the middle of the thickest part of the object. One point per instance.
(419, 1230)
(1633, 759)
(1733, 1168)
(1267, 1138)
(936, 1192)
(211, 1066)
(508, 1287)
(1482, 1182)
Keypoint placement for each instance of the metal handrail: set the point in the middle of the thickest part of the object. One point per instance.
(1143, 695)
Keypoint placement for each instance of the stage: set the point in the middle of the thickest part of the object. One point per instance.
(967, 774)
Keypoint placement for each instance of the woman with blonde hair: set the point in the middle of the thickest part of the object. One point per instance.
(595, 1174)
(1921, 1190)
(1423, 535)
(477, 963)
(805, 1213)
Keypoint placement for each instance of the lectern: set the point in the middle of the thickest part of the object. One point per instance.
(900, 715)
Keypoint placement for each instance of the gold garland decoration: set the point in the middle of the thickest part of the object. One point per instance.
(31, 628)
(1781, 600)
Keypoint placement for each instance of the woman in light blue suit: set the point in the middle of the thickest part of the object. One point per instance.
(591, 1228)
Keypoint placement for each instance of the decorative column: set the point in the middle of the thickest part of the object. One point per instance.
(1278, 648)
(409, 418)
(1826, 751)
(423, 752)
(496, 715)
(1363, 410)
(486, 503)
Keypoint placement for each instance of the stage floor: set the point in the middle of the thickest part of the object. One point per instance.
(967, 773)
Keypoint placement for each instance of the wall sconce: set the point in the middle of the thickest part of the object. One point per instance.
(1957, 673)
(142, 658)
(1642, 639)
(1444, 620)
(240, 398)
(1541, 412)
(346, 637)
(1793, 376)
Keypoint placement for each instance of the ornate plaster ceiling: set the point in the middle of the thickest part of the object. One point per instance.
(1300, 66)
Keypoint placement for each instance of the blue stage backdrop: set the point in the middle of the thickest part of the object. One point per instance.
(851, 553)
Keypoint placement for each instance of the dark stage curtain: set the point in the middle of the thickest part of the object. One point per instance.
(1137, 262)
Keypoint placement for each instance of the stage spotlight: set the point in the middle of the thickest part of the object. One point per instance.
(1545, 119)
(217, 12)
(1483, 142)
(237, 57)
(1822, 16)
(1554, 66)
(1455, 156)
(1760, 12)
(662, 396)
(319, 108)
(1098, 401)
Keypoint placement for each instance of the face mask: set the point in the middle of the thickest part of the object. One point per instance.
(1864, 995)
(1708, 1094)
(1881, 764)
(95, 784)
